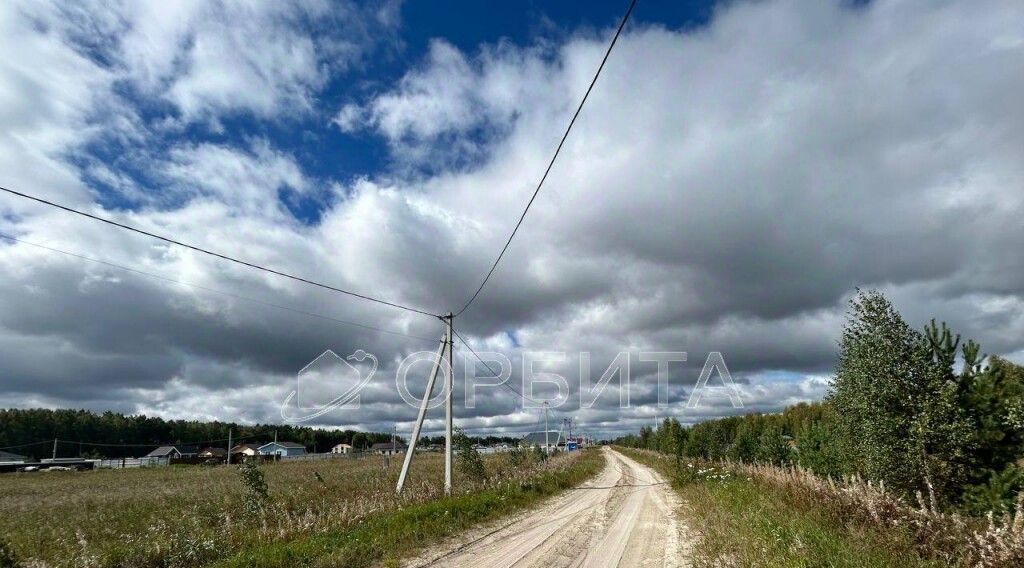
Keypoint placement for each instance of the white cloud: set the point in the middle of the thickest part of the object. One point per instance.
(48, 94)
(451, 97)
(725, 189)
(208, 59)
(249, 181)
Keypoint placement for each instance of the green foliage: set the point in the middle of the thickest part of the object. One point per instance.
(539, 454)
(256, 491)
(712, 439)
(819, 448)
(745, 446)
(998, 493)
(995, 397)
(469, 461)
(897, 412)
(772, 446)
(898, 401)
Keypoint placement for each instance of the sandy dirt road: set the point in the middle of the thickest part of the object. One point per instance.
(626, 516)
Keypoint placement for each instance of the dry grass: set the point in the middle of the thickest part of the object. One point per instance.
(766, 515)
(187, 516)
(950, 537)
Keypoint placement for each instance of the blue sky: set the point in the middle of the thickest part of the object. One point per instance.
(324, 151)
(738, 172)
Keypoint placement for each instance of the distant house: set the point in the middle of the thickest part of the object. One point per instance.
(164, 452)
(188, 451)
(342, 449)
(213, 453)
(8, 457)
(388, 448)
(245, 450)
(282, 449)
(554, 439)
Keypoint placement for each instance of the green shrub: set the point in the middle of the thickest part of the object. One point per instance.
(469, 461)
(998, 494)
(256, 491)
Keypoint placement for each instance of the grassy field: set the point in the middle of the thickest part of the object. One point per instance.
(743, 521)
(329, 513)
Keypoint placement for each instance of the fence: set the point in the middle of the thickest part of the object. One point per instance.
(128, 463)
(314, 457)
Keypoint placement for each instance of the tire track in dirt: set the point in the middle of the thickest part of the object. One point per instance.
(627, 516)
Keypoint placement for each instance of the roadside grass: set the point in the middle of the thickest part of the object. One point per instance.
(330, 513)
(742, 521)
(390, 536)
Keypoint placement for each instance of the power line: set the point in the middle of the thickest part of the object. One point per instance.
(495, 373)
(211, 290)
(217, 255)
(554, 157)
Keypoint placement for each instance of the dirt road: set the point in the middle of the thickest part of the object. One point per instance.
(627, 516)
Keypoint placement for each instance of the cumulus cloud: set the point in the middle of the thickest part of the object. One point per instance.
(210, 59)
(48, 95)
(725, 189)
(243, 179)
(452, 104)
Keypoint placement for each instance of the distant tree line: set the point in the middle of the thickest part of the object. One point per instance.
(920, 411)
(18, 426)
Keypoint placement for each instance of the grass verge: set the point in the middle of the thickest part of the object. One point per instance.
(742, 521)
(388, 537)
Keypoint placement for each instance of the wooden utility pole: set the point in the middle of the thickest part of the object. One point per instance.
(227, 460)
(55, 448)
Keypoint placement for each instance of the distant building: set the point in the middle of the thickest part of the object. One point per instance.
(8, 457)
(188, 451)
(164, 452)
(342, 449)
(245, 450)
(388, 448)
(220, 453)
(554, 439)
(283, 449)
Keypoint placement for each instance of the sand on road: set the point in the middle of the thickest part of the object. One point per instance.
(626, 516)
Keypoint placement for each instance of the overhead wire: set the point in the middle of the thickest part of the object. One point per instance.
(217, 254)
(554, 157)
(211, 290)
(495, 373)
(351, 293)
